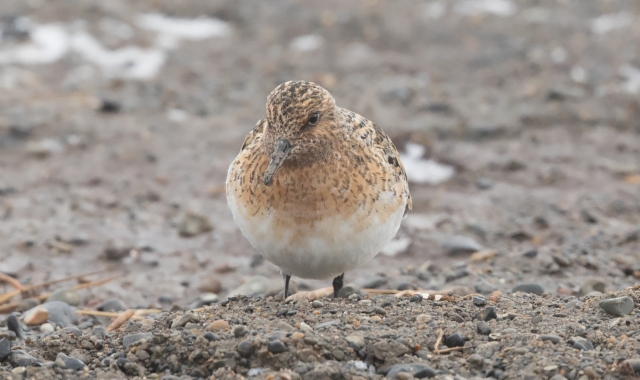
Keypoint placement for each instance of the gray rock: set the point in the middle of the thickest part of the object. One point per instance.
(99, 331)
(348, 290)
(454, 340)
(327, 324)
(483, 328)
(20, 358)
(5, 349)
(632, 365)
(387, 350)
(484, 288)
(61, 313)
(479, 301)
(476, 360)
(70, 297)
(489, 313)
(245, 348)
(418, 370)
(372, 282)
(618, 307)
(27, 304)
(71, 330)
(276, 346)
(558, 377)
(240, 331)
(13, 324)
(552, 338)
(113, 304)
(581, 343)
(130, 339)
(317, 304)
(532, 288)
(75, 364)
(461, 244)
(184, 319)
(193, 225)
(356, 340)
(487, 350)
(593, 284)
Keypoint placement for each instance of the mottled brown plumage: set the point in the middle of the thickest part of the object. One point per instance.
(316, 189)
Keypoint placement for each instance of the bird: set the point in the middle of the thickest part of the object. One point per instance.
(316, 189)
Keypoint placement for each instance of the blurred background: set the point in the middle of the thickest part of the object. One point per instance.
(518, 121)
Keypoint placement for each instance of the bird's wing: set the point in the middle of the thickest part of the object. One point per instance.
(255, 135)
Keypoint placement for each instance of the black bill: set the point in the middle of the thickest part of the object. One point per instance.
(283, 148)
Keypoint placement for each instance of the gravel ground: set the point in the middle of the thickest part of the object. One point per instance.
(117, 126)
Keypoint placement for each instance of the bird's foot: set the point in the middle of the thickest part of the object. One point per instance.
(310, 296)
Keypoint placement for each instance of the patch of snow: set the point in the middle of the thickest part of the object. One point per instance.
(256, 371)
(130, 62)
(612, 21)
(177, 115)
(495, 7)
(171, 30)
(424, 171)
(308, 42)
(358, 364)
(49, 43)
(632, 85)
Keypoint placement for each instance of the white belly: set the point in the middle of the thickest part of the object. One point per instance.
(327, 248)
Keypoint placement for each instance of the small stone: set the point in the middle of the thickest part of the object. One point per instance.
(276, 346)
(27, 304)
(454, 340)
(416, 370)
(14, 325)
(356, 340)
(211, 285)
(484, 288)
(116, 250)
(338, 355)
(423, 319)
(550, 368)
(489, 313)
(476, 360)
(19, 358)
(5, 349)
(572, 305)
(184, 319)
(416, 298)
(71, 330)
(632, 366)
(558, 377)
(593, 284)
(532, 288)
(130, 339)
(73, 363)
(68, 296)
(487, 350)
(531, 253)
(219, 325)
(99, 331)
(113, 304)
(479, 301)
(193, 224)
(484, 183)
(61, 313)
(551, 338)
(581, 343)
(317, 304)
(348, 290)
(380, 311)
(618, 307)
(143, 354)
(36, 316)
(245, 348)
(483, 328)
(327, 324)
(305, 327)
(210, 336)
(19, 371)
(461, 244)
(239, 331)
(254, 286)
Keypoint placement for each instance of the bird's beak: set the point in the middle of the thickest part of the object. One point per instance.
(282, 151)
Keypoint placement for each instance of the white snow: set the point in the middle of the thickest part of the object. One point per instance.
(420, 170)
(49, 43)
(396, 246)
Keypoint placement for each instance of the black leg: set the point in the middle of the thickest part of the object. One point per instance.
(337, 285)
(286, 284)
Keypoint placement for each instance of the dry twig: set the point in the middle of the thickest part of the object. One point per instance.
(121, 319)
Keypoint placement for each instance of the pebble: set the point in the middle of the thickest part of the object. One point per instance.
(210, 336)
(99, 331)
(239, 331)
(19, 358)
(380, 311)
(113, 304)
(245, 348)
(461, 244)
(27, 304)
(632, 365)
(532, 288)
(558, 377)
(67, 296)
(305, 327)
(130, 339)
(356, 340)
(5, 349)
(36, 316)
(551, 338)
(593, 284)
(73, 363)
(484, 288)
(61, 313)
(454, 340)
(14, 325)
(184, 319)
(348, 290)
(479, 301)
(211, 285)
(618, 307)
(276, 346)
(317, 304)
(487, 350)
(416, 298)
(327, 324)
(219, 325)
(254, 286)
(422, 319)
(476, 360)
(489, 313)
(483, 328)
(581, 343)
(194, 224)
(417, 370)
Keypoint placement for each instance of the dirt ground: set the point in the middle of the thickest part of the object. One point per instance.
(116, 135)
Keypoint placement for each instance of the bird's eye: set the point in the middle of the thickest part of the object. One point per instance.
(314, 118)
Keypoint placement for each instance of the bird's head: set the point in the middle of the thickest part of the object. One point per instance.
(300, 115)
